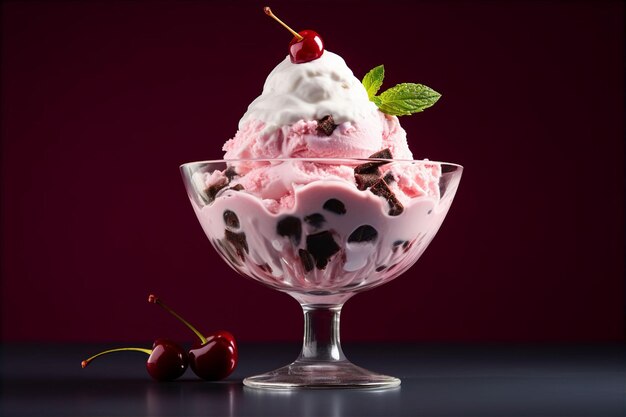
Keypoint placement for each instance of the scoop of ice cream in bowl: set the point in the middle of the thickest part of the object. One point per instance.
(318, 196)
(317, 236)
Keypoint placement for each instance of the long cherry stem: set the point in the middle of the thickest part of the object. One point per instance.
(154, 299)
(268, 12)
(87, 361)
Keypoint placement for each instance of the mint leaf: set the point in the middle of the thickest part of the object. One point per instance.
(401, 100)
(373, 80)
(407, 98)
(376, 100)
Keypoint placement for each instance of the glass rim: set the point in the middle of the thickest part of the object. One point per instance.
(321, 160)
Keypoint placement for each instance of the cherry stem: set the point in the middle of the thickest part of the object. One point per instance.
(87, 361)
(154, 299)
(268, 12)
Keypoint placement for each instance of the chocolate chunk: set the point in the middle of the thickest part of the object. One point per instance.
(364, 181)
(384, 154)
(335, 206)
(365, 233)
(381, 268)
(213, 189)
(307, 260)
(266, 268)
(326, 125)
(238, 242)
(405, 244)
(316, 220)
(231, 219)
(237, 187)
(396, 245)
(372, 167)
(321, 246)
(381, 189)
(395, 206)
(290, 227)
(389, 177)
(230, 173)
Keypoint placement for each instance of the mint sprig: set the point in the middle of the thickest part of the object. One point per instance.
(401, 100)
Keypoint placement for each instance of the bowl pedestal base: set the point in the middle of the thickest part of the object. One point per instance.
(321, 363)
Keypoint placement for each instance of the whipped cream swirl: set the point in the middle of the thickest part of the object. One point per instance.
(310, 91)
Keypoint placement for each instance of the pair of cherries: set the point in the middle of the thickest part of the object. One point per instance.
(212, 358)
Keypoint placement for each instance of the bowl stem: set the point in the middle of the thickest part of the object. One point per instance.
(321, 333)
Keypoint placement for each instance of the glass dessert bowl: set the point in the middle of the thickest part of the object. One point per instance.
(321, 230)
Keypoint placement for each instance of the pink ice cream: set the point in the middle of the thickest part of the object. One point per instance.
(283, 121)
(314, 226)
(288, 119)
(302, 140)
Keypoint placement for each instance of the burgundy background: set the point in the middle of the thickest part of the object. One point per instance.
(101, 101)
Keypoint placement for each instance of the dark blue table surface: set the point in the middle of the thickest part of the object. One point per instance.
(450, 380)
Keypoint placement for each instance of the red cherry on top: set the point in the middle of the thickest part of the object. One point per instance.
(307, 49)
(305, 46)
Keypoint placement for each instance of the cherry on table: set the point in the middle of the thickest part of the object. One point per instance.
(167, 360)
(306, 45)
(213, 357)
